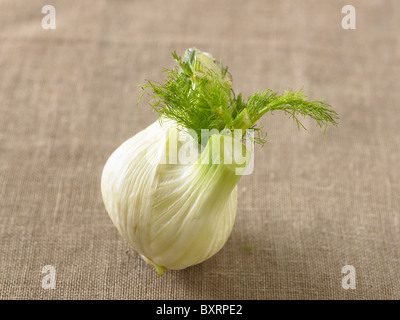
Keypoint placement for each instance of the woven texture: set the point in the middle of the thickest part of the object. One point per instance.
(314, 203)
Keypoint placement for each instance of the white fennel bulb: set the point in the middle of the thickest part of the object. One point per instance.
(176, 213)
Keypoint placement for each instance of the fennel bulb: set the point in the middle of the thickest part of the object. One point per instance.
(173, 213)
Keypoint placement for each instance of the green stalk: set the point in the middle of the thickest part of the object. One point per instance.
(200, 96)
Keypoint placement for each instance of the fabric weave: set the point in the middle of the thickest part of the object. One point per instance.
(315, 202)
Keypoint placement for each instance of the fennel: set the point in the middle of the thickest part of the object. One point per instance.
(176, 214)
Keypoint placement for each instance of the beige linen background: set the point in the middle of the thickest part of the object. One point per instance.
(314, 203)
